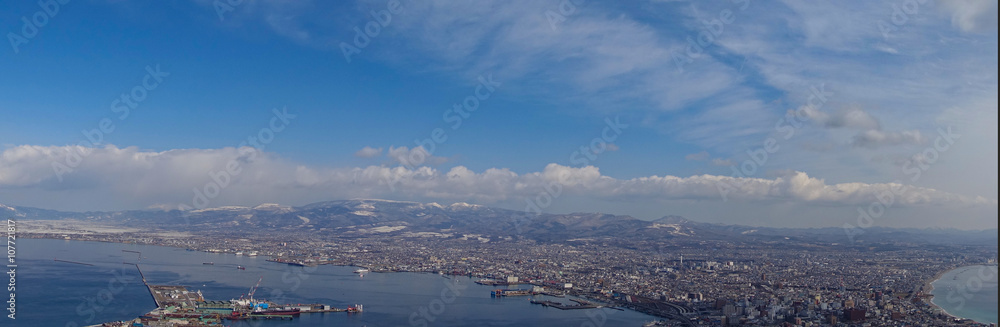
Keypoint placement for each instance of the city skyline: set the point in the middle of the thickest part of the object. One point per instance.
(783, 115)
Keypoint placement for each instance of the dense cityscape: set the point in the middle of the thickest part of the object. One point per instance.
(694, 283)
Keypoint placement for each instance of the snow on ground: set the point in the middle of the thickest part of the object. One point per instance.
(426, 234)
(69, 226)
(463, 205)
(386, 229)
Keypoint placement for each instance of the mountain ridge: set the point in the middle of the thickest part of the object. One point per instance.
(356, 217)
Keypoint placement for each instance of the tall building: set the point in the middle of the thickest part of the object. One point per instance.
(729, 310)
(855, 314)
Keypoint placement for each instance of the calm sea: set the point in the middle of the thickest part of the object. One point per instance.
(54, 293)
(968, 292)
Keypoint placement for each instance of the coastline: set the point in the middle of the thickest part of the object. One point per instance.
(929, 287)
(925, 286)
(338, 288)
(613, 305)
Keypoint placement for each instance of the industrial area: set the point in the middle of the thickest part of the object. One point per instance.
(176, 305)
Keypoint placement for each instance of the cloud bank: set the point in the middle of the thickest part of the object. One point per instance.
(145, 178)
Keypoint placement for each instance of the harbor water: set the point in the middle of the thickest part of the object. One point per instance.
(109, 288)
(968, 292)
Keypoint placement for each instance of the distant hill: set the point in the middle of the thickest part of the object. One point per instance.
(367, 216)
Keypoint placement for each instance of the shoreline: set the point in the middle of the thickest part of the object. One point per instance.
(925, 292)
(929, 287)
(613, 305)
(605, 303)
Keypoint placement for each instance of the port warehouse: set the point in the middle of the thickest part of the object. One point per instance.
(177, 306)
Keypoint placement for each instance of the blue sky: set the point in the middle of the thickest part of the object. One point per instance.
(563, 69)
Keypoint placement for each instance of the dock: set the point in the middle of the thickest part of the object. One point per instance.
(581, 304)
(298, 262)
(491, 282)
(502, 292)
(177, 296)
(178, 306)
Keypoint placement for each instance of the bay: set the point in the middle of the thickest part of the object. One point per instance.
(968, 292)
(56, 293)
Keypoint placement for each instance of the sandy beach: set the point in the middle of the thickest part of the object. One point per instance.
(928, 284)
(928, 287)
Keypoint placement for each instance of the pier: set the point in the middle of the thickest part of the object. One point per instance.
(73, 262)
(178, 306)
(581, 304)
(301, 262)
(501, 292)
(491, 282)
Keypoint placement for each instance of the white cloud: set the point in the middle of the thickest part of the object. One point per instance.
(872, 136)
(616, 60)
(368, 152)
(876, 138)
(700, 156)
(607, 57)
(703, 156)
(144, 178)
(722, 162)
(844, 118)
(417, 156)
(972, 15)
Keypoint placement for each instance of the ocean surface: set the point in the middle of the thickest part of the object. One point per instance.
(54, 293)
(968, 292)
